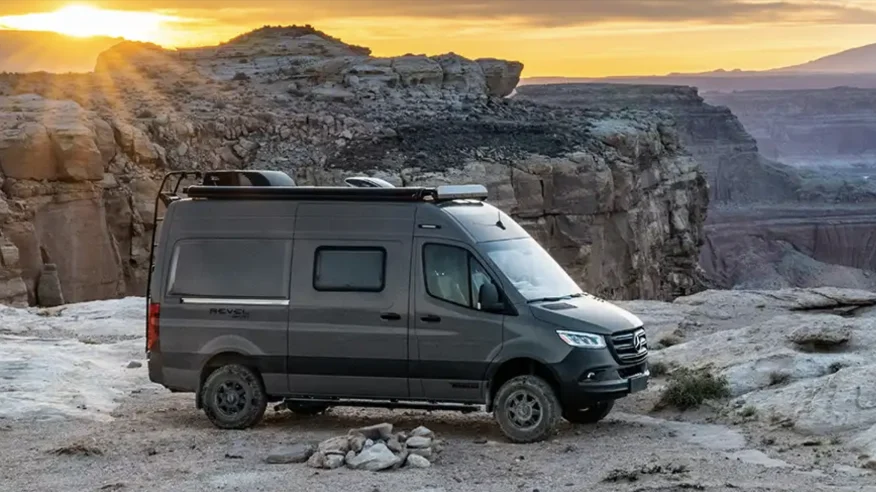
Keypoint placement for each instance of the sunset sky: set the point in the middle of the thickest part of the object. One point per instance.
(551, 37)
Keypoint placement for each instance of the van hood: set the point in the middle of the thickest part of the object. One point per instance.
(586, 313)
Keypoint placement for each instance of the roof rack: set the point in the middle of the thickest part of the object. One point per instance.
(438, 194)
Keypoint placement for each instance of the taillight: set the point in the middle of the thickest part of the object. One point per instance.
(152, 325)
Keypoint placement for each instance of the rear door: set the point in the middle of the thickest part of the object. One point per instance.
(348, 314)
(455, 340)
(226, 295)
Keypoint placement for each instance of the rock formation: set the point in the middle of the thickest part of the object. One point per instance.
(832, 128)
(60, 198)
(802, 358)
(611, 194)
(770, 225)
(736, 169)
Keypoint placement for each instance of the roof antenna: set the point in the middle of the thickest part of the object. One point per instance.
(499, 223)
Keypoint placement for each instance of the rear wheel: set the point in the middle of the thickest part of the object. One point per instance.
(590, 415)
(234, 397)
(527, 409)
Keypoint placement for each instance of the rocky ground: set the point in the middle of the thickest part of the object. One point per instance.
(78, 412)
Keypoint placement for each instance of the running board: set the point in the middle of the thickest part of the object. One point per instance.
(391, 405)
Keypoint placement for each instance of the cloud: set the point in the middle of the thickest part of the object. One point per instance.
(539, 12)
(543, 13)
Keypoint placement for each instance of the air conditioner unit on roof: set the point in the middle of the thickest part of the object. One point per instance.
(367, 182)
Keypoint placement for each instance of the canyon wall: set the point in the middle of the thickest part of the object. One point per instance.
(769, 225)
(812, 128)
(611, 194)
(736, 171)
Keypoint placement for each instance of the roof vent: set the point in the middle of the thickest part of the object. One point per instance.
(461, 192)
(367, 182)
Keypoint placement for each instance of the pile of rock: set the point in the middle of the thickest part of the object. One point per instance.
(372, 448)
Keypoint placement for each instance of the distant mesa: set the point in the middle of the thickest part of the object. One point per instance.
(32, 51)
(313, 63)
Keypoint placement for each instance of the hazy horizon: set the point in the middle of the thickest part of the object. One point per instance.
(553, 38)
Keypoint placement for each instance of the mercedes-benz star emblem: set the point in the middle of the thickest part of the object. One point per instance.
(639, 343)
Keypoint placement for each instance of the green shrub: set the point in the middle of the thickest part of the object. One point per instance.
(749, 412)
(777, 378)
(658, 368)
(690, 388)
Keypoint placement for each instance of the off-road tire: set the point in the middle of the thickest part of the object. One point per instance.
(590, 415)
(249, 398)
(534, 390)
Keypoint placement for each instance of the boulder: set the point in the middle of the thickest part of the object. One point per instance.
(378, 431)
(418, 442)
(840, 402)
(13, 292)
(295, 453)
(26, 153)
(417, 461)
(76, 151)
(462, 74)
(822, 335)
(335, 445)
(375, 458)
(317, 460)
(136, 144)
(49, 287)
(501, 76)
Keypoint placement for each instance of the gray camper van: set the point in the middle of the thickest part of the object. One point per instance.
(369, 295)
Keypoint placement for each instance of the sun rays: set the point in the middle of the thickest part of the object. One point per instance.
(83, 21)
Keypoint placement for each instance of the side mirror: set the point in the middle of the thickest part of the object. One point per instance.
(488, 299)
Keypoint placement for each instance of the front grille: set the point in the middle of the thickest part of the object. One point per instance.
(630, 346)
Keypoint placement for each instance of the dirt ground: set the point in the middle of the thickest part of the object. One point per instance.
(158, 441)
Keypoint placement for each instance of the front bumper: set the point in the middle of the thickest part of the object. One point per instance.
(590, 376)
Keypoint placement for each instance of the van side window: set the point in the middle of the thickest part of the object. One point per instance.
(453, 274)
(231, 268)
(349, 269)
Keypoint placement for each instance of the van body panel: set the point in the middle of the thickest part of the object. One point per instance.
(483, 222)
(456, 343)
(586, 313)
(352, 341)
(223, 286)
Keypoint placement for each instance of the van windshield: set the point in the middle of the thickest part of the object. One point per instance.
(532, 270)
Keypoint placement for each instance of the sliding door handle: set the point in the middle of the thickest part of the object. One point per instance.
(430, 318)
(390, 316)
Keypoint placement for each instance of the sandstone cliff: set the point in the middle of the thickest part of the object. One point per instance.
(611, 194)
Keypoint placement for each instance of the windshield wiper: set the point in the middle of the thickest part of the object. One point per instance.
(555, 298)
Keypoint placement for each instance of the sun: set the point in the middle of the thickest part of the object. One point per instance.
(83, 20)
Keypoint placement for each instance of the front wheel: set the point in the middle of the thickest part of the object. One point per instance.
(234, 397)
(527, 409)
(590, 415)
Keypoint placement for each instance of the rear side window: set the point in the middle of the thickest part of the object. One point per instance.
(231, 268)
(344, 269)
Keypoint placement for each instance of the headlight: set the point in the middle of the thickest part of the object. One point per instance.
(582, 340)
